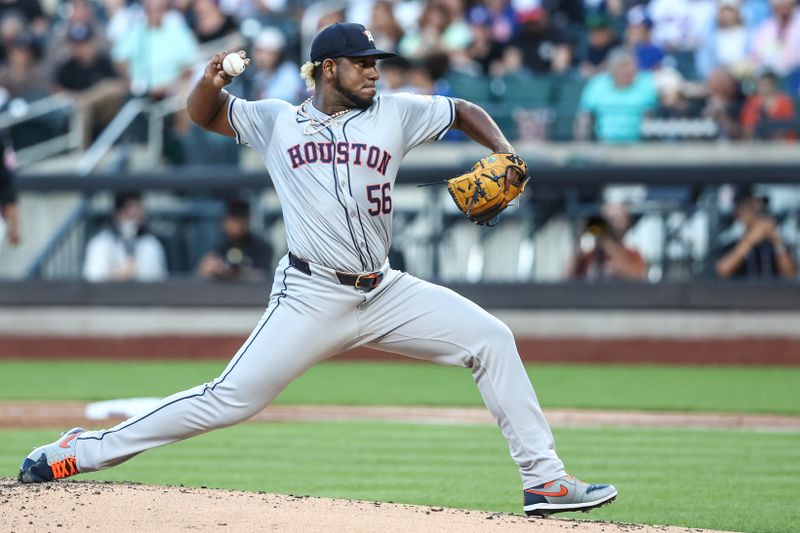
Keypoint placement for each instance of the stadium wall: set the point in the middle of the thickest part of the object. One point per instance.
(694, 323)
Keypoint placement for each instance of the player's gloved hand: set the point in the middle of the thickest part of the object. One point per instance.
(216, 74)
(486, 190)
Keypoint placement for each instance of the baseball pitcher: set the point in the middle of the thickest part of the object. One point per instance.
(333, 161)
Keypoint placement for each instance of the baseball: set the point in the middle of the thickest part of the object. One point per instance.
(233, 64)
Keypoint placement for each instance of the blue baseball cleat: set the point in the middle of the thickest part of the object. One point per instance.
(51, 461)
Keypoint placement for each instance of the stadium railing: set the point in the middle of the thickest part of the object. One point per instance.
(680, 204)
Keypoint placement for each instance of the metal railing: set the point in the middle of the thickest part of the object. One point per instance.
(19, 112)
(679, 237)
(69, 236)
(61, 257)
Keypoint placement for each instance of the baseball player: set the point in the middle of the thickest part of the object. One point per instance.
(333, 161)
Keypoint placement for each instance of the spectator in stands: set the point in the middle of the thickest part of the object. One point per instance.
(637, 39)
(9, 218)
(602, 254)
(331, 17)
(89, 77)
(600, 41)
(385, 29)
(439, 32)
(770, 113)
(727, 46)
(273, 76)
(78, 13)
(674, 98)
(760, 252)
(120, 17)
(240, 255)
(538, 46)
(776, 42)
(616, 101)
(425, 76)
(157, 52)
(485, 52)
(126, 251)
(24, 76)
(724, 103)
(497, 16)
(421, 79)
(11, 26)
(754, 12)
(208, 22)
(279, 14)
(34, 17)
(394, 75)
(680, 28)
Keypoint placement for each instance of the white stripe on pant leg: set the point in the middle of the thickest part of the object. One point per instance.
(281, 347)
(531, 444)
(223, 402)
(430, 322)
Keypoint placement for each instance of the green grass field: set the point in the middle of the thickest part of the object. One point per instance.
(725, 480)
(714, 389)
(730, 480)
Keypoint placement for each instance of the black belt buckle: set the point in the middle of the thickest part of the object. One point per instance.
(367, 282)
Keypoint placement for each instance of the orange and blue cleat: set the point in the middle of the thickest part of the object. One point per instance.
(52, 461)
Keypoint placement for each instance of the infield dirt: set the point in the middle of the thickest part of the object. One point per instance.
(125, 507)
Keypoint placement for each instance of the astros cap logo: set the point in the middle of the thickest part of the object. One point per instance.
(369, 35)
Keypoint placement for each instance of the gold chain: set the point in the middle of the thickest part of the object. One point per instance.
(316, 123)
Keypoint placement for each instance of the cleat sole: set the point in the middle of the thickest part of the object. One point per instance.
(544, 513)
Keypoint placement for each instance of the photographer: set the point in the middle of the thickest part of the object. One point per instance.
(240, 255)
(760, 252)
(126, 251)
(601, 253)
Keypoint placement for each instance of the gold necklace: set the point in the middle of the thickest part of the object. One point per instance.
(314, 123)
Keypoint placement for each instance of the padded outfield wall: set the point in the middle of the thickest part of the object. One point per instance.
(692, 323)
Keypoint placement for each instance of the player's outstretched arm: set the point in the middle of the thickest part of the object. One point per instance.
(208, 102)
(480, 127)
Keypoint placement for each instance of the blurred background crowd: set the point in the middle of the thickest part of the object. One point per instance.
(111, 76)
(608, 70)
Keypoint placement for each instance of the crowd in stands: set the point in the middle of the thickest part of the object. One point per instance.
(586, 70)
(608, 70)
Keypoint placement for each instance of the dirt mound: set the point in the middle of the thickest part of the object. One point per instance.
(124, 507)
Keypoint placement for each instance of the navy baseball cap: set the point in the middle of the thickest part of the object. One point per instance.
(345, 39)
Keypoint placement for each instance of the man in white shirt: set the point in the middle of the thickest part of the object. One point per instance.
(126, 251)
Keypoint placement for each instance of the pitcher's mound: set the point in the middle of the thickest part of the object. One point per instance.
(126, 507)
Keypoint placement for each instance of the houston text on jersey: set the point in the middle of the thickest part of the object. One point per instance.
(343, 152)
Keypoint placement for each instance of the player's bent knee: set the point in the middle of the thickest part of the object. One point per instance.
(496, 332)
(232, 404)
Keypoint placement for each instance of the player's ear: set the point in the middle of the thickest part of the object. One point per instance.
(329, 68)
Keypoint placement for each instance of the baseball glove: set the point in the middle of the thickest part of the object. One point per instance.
(486, 190)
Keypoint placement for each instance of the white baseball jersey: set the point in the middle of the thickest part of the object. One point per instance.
(335, 182)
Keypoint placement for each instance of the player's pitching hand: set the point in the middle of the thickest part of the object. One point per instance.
(215, 72)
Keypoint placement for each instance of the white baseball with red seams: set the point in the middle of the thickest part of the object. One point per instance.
(233, 64)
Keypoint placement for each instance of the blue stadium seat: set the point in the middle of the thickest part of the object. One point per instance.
(472, 88)
(566, 97)
(524, 90)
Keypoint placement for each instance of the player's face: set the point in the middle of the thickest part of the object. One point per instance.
(355, 80)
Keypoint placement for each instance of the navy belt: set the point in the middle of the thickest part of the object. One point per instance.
(362, 282)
